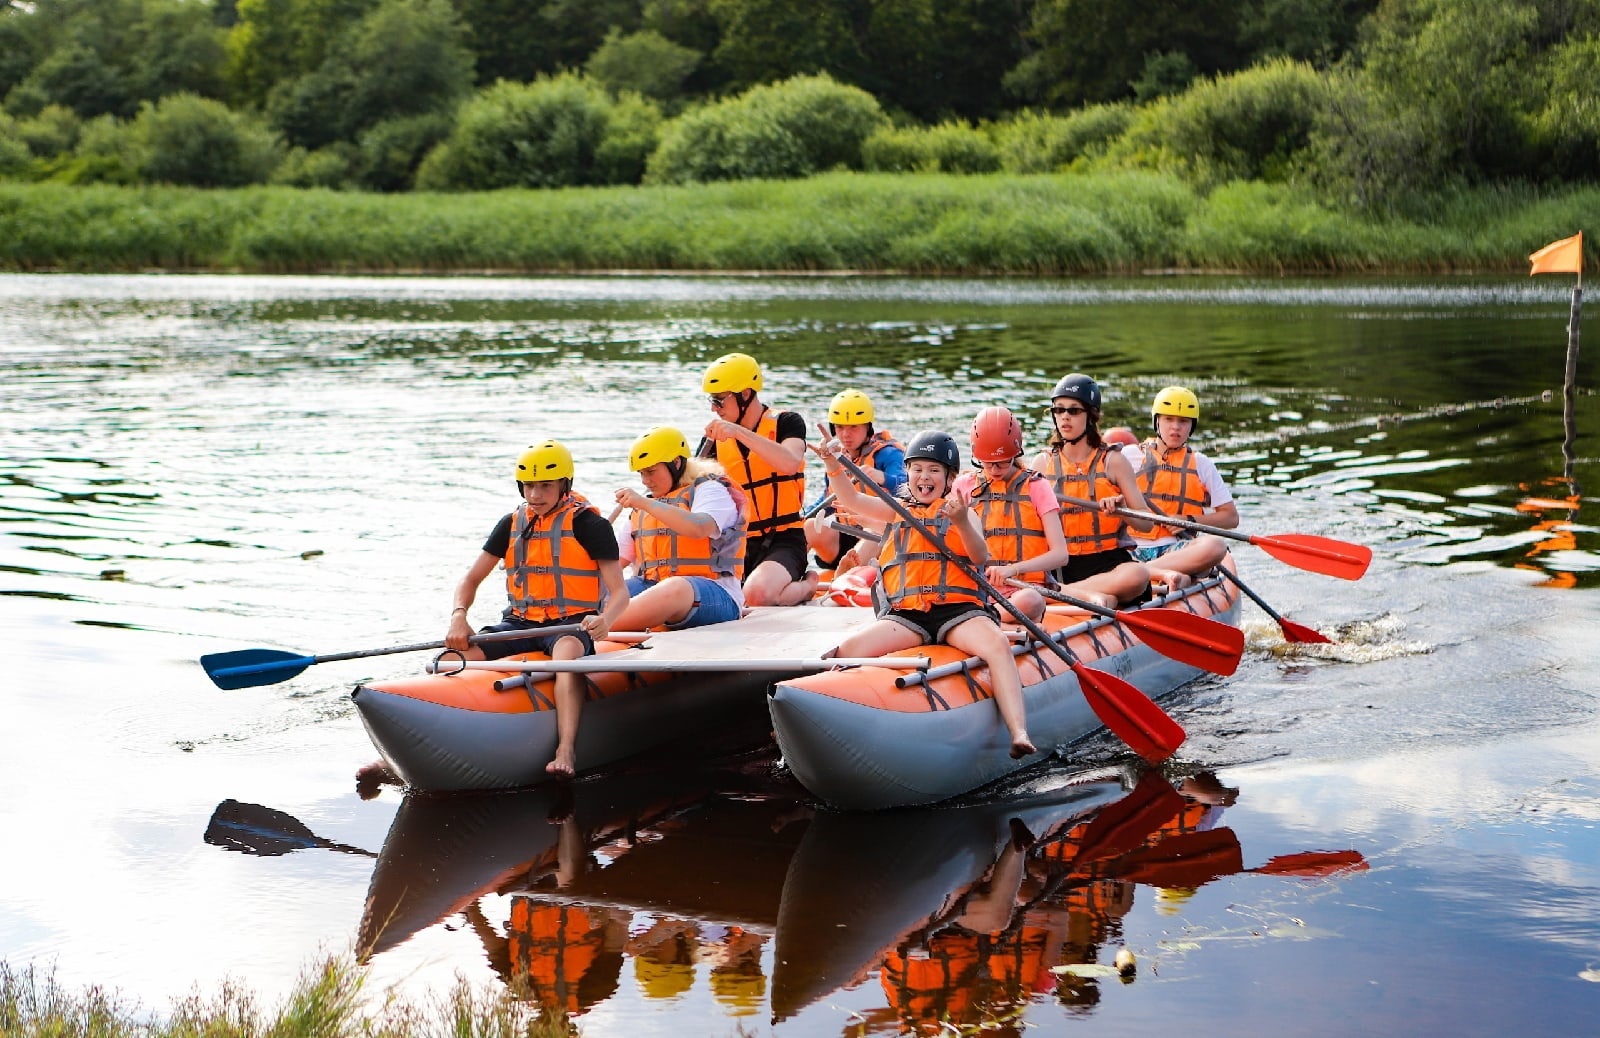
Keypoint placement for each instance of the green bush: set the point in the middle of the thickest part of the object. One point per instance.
(645, 63)
(1567, 127)
(202, 143)
(390, 152)
(51, 133)
(951, 147)
(558, 131)
(333, 166)
(1250, 125)
(1035, 142)
(109, 151)
(15, 158)
(800, 126)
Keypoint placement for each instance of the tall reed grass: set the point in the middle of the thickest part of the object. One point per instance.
(326, 1002)
(1068, 223)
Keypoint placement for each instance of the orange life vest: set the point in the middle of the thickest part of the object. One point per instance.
(663, 552)
(548, 573)
(1087, 531)
(1171, 484)
(927, 992)
(772, 498)
(1012, 527)
(869, 451)
(916, 574)
(554, 947)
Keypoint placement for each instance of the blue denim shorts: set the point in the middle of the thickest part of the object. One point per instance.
(1154, 551)
(712, 603)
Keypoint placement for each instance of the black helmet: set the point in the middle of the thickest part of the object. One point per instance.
(1081, 388)
(935, 446)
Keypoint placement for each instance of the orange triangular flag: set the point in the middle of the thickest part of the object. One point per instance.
(1559, 257)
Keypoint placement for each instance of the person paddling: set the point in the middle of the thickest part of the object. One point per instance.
(561, 562)
(850, 421)
(1079, 464)
(926, 597)
(1179, 481)
(1016, 507)
(685, 541)
(764, 452)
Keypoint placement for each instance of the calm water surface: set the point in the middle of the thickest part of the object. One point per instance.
(197, 464)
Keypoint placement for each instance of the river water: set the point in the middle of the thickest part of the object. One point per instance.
(199, 464)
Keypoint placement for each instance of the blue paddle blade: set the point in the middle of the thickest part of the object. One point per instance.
(247, 668)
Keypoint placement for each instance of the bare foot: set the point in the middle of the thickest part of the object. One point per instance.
(562, 766)
(1174, 579)
(371, 776)
(1022, 746)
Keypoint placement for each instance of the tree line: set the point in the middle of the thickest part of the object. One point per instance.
(1371, 103)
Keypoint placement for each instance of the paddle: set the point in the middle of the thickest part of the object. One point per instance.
(267, 831)
(1291, 631)
(642, 665)
(1193, 859)
(1188, 638)
(1132, 715)
(248, 668)
(1304, 551)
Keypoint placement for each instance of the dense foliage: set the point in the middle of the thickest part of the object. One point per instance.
(1377, 105)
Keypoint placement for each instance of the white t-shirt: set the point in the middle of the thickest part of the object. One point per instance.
(711, 499)
(1210, 478)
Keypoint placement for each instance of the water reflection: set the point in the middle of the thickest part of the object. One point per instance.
(716, 879)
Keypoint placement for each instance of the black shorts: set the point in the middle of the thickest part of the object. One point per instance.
(846, 542)
(786, 547)
(534, 642)
(1082, 567)
(934, 624)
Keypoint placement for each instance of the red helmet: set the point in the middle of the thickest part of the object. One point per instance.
(1120, 436)
(996, 435)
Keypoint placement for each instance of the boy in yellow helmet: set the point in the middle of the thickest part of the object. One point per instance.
(764, 452)
(559, 554)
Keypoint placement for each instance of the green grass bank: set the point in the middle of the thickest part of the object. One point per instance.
(911, 223)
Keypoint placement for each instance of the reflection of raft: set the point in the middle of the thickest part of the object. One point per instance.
(908, 869)
(858, 741)
(451, 732)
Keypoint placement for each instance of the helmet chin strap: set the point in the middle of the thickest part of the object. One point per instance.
(744, 403)
(1078, 438)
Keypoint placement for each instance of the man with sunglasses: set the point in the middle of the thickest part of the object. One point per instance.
(764, 451)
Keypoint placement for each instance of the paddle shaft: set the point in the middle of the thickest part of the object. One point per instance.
(226, 673)
(819, 506)
(1292, 631)
(1338, 558)
(600, 664)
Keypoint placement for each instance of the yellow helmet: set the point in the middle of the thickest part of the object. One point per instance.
(663, 979)
(850, 407)
(663, 443)
(1178, 402)
(732, 373)
(548, 460)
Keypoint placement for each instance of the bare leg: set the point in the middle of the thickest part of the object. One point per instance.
(668, 602)
(822, 538)
(769, 584)
(882, 637)
(1029, 601)
(569, 704)
(1181, 565)
(982, 637)
(1112, 589)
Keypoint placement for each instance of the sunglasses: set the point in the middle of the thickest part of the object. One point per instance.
(1073, 411)
(718, 399)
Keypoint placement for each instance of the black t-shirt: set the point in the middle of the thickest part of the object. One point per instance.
(791, 426)
(589, 527)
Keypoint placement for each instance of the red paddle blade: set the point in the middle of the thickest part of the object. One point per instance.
(1130, 714)
(1300, 633)
(1314, 863)
(1317, 554)
(1123, 825)
(1198, 641)
(1184, 860)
